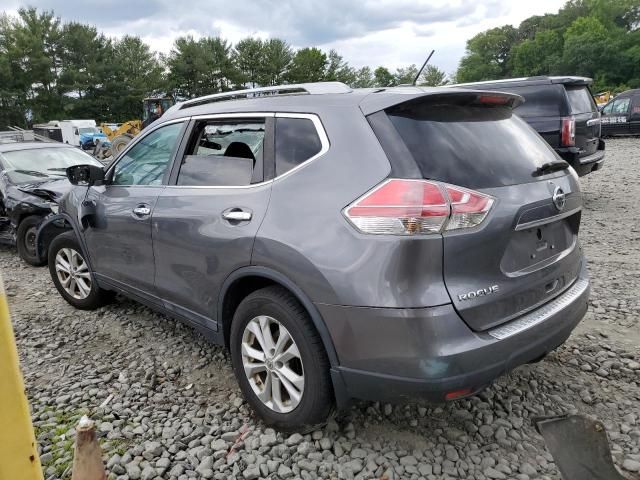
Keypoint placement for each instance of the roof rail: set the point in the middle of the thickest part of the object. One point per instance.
(295, 89)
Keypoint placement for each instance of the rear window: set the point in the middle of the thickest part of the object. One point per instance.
(474, 147)
(580, 100)
(540, 100)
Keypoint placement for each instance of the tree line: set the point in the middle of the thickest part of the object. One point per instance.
(55, 70)
(592, 38)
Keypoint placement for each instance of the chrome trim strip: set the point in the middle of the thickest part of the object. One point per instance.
(543, 221)
(543, 313)
(213, 116)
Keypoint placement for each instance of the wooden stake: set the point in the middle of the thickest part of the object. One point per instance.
(87, 456)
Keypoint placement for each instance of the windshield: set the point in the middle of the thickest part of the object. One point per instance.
(88, 130)
(474, 147)
(47, 160)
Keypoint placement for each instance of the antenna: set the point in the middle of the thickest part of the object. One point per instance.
(415, 80)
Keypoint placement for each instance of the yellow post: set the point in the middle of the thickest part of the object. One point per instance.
(18, 453)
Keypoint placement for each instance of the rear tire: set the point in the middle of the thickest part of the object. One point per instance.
(72, 275)
(26, 241)
(290, 389)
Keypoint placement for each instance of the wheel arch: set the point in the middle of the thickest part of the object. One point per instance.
(53, 226)
(245, 280)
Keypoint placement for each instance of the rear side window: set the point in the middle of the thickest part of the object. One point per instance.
(474, 147)
(580, 100)
(297, 141)
(540, 100)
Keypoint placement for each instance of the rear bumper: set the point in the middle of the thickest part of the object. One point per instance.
(391, 354)
(586, 164)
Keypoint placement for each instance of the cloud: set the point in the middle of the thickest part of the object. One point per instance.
(366, 32)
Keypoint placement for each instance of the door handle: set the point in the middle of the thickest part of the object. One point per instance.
(142, 211)
(237, 215)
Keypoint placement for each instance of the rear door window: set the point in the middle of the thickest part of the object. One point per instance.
(474, 147)
(297, 141)
(224, 153)
(580, 100)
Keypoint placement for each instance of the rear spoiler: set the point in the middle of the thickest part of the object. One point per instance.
(386, 98)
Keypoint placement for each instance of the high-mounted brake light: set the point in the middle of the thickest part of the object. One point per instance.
(409, 207)
(568, 131)
(494, 99)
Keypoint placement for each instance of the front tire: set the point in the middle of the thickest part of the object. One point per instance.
(280, 361)
(26, 241)
(72, 275)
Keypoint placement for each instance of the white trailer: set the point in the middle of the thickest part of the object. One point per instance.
(71, 130)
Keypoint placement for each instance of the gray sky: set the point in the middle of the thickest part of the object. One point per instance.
(393, 33)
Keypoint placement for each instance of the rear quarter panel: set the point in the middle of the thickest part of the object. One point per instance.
(306, 237)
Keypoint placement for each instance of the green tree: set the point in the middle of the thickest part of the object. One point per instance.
(83, 56)
(539, 56)
(405, 76)
(432, 76)
(201, 67)
(33, 43)
(363, 78)
(13, 88)
(133, 72)
(588, 48)
(277, 57)
(488, 54)
(248, 55)
(308, 65)
(382, 77)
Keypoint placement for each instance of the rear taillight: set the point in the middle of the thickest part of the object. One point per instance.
(409, 207)
(568, 131)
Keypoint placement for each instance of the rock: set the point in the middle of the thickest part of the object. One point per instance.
(284, 472)
(148, 473)
(631, 465)
(251, 472)
(358, 453)
(294, 439)
(528, 469)
(408, 460)
(493, 473)
(133, 471)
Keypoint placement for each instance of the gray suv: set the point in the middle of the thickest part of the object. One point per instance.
(374, 244)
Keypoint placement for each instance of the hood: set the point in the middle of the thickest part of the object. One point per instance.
(37, 189)
(51, 190)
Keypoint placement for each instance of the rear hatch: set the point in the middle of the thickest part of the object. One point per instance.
(525, 251)
(587, 117)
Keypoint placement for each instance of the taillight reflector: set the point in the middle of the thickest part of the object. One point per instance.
(407, 207)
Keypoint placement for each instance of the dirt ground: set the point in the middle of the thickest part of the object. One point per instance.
(168, 406)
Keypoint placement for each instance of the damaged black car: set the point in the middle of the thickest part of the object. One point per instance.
(32, 180)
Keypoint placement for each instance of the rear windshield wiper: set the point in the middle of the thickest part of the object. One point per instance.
(553, 166)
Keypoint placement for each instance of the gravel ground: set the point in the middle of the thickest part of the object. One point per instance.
(167, 405)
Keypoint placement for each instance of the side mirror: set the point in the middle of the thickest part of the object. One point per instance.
(85, 175)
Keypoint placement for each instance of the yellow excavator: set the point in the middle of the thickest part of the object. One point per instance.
(120, 134)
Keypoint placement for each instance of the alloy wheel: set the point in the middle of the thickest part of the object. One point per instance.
(73, 273)
(272, 364)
